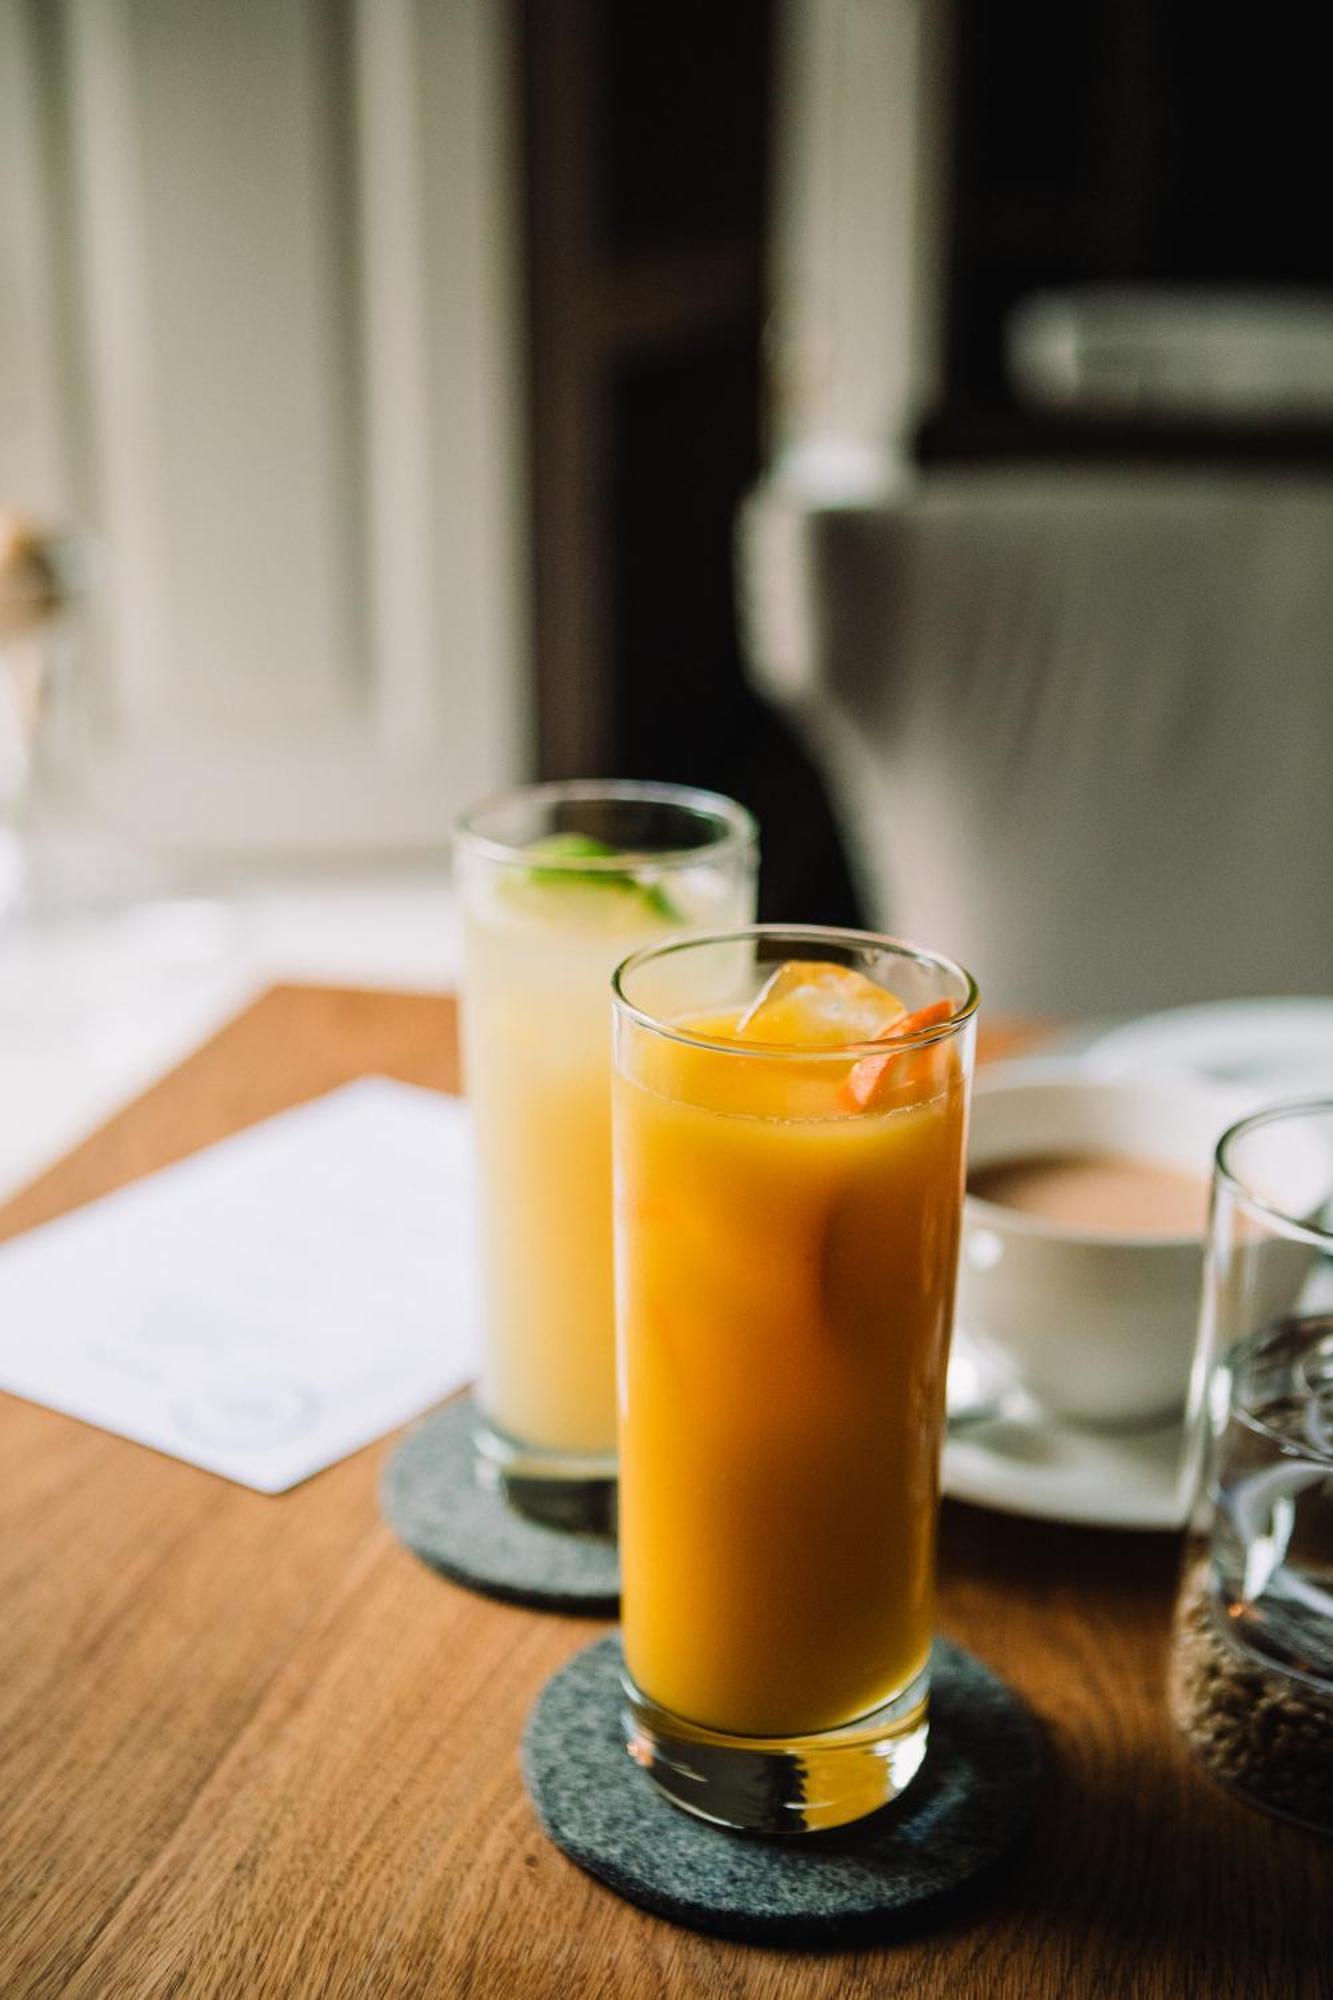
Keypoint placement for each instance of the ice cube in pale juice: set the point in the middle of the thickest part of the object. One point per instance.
(786, 1271)
(540, 949)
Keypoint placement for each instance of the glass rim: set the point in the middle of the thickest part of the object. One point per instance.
(737, 828)
(814, 933)
(1226, 1175)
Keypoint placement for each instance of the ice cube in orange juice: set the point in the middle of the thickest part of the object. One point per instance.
(785, 1267)
(811, 1004)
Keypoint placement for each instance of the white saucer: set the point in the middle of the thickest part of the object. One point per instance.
(1023, 1460)
(1282, 1047)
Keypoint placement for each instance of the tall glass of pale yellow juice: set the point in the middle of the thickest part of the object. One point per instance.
(790, 1115)
(557, 884)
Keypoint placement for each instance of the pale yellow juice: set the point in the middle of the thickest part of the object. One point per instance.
(539, 954)
(786, 1282)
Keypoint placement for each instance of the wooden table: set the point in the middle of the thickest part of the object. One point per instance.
(250, 1747)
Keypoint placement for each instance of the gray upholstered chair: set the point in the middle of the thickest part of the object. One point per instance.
(1078, 725)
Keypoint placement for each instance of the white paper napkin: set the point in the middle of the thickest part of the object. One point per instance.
(268, 1305)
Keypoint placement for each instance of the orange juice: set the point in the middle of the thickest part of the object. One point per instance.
(785, 1284)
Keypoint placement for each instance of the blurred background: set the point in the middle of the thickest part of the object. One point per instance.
(912, 417)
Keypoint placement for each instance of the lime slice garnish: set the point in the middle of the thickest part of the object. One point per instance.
(571, 847)
(567, 847)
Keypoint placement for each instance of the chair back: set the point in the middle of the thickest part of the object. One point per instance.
(1078, 726)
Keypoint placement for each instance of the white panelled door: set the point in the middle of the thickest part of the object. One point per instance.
(259, 330)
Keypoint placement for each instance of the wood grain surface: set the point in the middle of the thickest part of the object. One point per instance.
(249, 1747)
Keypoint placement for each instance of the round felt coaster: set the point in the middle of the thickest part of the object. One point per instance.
(970, 1801)
(436, 1503)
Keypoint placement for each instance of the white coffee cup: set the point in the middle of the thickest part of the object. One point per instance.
(1098, 1326)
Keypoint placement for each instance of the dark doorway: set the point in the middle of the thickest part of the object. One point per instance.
(648, 175)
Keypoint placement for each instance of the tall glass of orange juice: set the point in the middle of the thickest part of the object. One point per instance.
(557, 883)
(790, 1116)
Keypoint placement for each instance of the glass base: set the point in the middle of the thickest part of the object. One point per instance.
(799, 1784)
(1261, 1731)
(575, 1494)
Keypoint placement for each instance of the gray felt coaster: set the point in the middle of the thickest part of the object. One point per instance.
(435, 1503)
(970, 1801)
